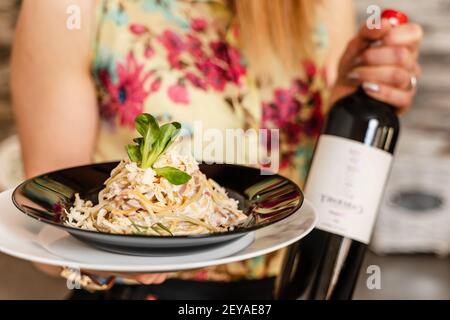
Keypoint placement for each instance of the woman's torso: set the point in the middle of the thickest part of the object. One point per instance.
(181, 60)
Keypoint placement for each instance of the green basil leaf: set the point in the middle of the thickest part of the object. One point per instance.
(140, 144)
(154, 140)
(134, 153)
(147, 126)
(167, 133)
(173, 175)
(146, 123)
(138, 141)
(177, 125)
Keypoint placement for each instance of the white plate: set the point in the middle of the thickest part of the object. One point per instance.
(60, 243)
(28, 239)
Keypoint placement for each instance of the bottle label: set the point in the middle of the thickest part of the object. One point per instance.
(345, 184)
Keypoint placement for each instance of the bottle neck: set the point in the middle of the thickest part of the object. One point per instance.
(362, 93)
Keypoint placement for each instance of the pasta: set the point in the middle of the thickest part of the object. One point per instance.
(138, 201)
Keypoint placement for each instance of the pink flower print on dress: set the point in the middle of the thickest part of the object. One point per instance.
(172, 42)
(178, 93)
(196, 81)
(127, 95)
(138, 29)
(198, 24)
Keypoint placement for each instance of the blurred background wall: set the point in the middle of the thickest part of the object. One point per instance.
(8, 13)
(415, 214)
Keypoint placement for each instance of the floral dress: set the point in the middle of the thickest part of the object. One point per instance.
(181, 60)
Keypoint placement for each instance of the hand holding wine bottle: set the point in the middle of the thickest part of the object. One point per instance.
(384, 61)
(352, 159)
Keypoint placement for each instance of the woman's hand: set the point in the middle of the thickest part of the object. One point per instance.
(141, 278)
(384, 61)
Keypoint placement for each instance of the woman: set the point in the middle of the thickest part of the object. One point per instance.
(229, 64)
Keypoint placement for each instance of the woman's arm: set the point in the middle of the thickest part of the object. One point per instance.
(53, 94)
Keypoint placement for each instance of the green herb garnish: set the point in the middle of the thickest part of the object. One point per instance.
(140, 229)
(154, 141)
(159, 224)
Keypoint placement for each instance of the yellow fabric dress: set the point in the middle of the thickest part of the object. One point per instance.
(180, 61)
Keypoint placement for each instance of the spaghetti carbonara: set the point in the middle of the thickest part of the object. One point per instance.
(138, 201)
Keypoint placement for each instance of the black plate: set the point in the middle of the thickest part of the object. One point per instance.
(266, 199)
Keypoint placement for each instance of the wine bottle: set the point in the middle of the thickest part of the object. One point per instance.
(350, 166)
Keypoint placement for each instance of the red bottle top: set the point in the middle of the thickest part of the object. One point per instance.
(395, 17)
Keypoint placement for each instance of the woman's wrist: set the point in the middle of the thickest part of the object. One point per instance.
(78, 278)
(52, 271)
(90, 282)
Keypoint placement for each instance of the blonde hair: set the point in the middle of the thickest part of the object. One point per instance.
(276, 31)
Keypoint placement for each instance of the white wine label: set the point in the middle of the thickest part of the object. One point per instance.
(345, 184)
